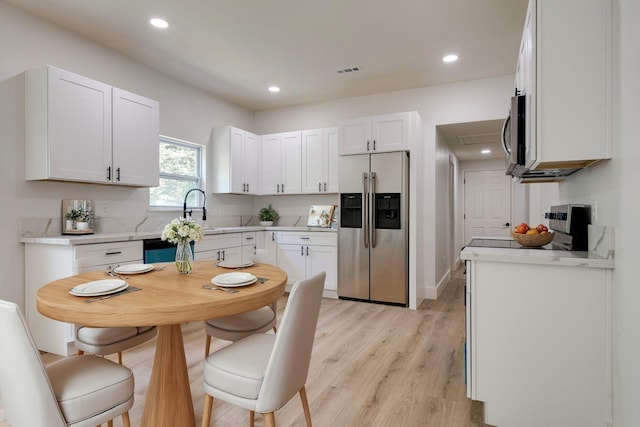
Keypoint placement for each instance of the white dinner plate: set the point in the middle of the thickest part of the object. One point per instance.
(133, 268)
(234, 285)
(99, 287)
(229, 264)
(234, 279)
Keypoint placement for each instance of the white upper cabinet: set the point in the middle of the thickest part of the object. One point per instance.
(135, 139)
(235, 160)
(388, 132)
(565, 70)
(320, 161)
(281, 163)
(78, 129)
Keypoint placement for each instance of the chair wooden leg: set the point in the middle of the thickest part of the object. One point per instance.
(125, 419)
(206, 411)
(120, 357)
(252, 418)
(269, 419)
(207, 344)
(305, 406)
(275, 329)
(110, 423)
(80, 352)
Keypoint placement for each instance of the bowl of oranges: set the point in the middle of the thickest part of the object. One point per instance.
(532, 237)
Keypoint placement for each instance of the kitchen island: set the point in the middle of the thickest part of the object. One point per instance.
(538, 336)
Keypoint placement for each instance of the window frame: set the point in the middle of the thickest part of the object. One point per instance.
(200, 166)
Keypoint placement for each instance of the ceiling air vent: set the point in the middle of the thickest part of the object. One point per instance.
(348, 70)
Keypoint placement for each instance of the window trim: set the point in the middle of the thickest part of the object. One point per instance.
(201, 162)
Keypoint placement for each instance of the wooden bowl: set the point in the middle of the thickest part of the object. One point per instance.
(533, 240)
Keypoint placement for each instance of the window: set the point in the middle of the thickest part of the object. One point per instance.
(180, 171)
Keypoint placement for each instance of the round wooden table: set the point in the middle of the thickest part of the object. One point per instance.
(166, 299)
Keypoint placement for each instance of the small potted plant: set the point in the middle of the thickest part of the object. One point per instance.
(72, 217)
(83, 217)
(267, 216)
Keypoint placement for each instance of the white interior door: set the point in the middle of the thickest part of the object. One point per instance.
(487, 204)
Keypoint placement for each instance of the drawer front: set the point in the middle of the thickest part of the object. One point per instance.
(249, 238)
(218, 241)
(107, 253)
(319, 238)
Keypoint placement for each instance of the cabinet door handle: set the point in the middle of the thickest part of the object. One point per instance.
(249, 238)
(283, 188)
(305, 238)
(307, 250)
(218, 256)
(325, 186)
(319, 186)
(374, 145)
(278, 188)
(273, 236)
(302, 250)
(109, 173)
(367, 145)
(223, 255)
(113, 253)
(247, 187)
(117, 174)
(255, 250)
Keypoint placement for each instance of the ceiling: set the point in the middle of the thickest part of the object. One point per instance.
(237, 49)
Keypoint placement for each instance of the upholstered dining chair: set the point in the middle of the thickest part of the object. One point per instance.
(234, 328)
(78, 391)
(262, 372)
(103, 341)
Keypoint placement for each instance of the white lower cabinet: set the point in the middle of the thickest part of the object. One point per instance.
(233, 248)
(46, 263)
(539, 343)
(302, 255)
(266, 247)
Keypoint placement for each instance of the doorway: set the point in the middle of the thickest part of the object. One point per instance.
(487, 204)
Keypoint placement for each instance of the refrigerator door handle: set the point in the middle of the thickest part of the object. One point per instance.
(373, 209)
(365, 211)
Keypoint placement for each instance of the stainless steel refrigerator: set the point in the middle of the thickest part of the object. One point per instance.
(374, 224)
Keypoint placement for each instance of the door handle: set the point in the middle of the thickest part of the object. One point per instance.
(278, 185)
(218, 256)
(503, 136)
(374, 145)
(307, 250)
(319, 186)
(367, 145)
(118, 174)
(109, 173)
(365, 211)
(223, 255)
(325, 186)
(507, 224)
(302, 250)
(373, 210)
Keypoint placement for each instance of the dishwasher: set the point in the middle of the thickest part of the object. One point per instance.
(158, 250)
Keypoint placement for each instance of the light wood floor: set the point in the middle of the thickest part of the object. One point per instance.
(372, 365)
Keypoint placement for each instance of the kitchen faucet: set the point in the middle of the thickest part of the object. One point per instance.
(186, 212)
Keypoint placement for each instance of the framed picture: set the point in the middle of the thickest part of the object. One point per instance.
(320, 215)
(77, 216)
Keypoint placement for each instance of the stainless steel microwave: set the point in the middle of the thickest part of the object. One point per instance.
(514, 137)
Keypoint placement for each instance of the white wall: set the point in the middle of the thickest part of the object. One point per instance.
(186, 113)
(614, 187)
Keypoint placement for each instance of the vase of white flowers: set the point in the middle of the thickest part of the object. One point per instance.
(182, 232)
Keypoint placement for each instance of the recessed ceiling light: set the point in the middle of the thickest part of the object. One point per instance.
(159, 22)
(450, 58)
(274, 89)
(486, 151)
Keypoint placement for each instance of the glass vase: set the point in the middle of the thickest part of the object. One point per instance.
(184, 257)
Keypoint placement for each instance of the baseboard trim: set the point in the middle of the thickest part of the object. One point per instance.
(434, 293)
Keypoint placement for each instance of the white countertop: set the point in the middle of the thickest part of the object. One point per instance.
(87, 239)
(537, 256)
